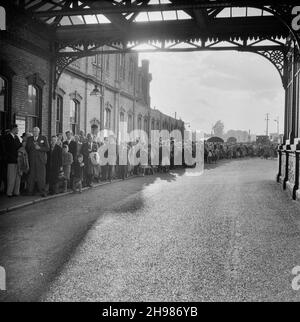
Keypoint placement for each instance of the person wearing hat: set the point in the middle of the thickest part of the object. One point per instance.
(11, 146)
(37, 147)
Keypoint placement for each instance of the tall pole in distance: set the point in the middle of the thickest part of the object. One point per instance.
(277, 121)
(278, 135)
(267, 120)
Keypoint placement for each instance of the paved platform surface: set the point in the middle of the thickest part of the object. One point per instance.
(8, 204)
(228, 235)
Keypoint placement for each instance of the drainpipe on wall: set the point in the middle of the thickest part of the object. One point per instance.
(117, 116)
(51, 95)
(86, 95)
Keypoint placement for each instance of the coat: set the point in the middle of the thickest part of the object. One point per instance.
(78, 171)
(54, 164)
(67, 160)
(38, 157)
(11, 147)
(73, 148)
(86, 149)
(23, 163)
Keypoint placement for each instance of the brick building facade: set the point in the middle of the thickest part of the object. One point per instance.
(26, 87)
(25, 63)
(124, 96)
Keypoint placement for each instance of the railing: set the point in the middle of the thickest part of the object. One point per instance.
(288, 169)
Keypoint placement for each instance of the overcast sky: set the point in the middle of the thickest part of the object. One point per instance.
(204, 87)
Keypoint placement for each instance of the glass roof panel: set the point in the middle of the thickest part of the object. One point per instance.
(103, 19)
(239, 12)
(159, 1)
(65, 21)
(170, 15)
(77, 20)
(225, 13)
(183, 15)
(242, 12)
(253, 12)
(142, 16)
(155, 16)
(266, 13)
(90, 19)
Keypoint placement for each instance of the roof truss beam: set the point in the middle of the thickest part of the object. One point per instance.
(224, 27)
(97, 7)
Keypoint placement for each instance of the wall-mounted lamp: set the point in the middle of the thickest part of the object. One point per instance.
(96, 92)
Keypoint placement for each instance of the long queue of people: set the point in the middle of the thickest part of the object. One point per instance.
(33, 165)
(218, 151)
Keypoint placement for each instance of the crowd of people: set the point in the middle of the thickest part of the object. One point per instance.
(33, 164)
(218, 151)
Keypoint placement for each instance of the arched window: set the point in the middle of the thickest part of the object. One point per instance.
(107, 63)
(157, 125)
(122, 117)
(34, 101)
(3, 103)
(130, 123)
(33, 107)
(146, 124)
(139, 122)
(107, 118)
(152, 125)
(122, 126)
(74, 116)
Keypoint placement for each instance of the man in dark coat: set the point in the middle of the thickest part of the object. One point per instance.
(86, 149)
(54, 165)
(11, 146)
(37, 147)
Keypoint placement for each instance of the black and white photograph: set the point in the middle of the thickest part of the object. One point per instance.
(149, 154)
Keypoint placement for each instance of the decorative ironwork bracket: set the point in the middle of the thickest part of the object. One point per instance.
(277, 58)
(64, 59)
(61, 63)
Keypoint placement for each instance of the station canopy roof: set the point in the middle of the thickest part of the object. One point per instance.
(161, 20)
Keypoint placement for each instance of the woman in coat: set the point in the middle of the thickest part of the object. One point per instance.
(54, 165)
(86, 149)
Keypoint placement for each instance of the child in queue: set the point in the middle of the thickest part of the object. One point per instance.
(78, 168)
